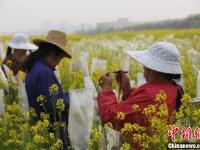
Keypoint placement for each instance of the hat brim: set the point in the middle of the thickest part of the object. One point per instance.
(27, 46)
(40, 41)
(147, 61)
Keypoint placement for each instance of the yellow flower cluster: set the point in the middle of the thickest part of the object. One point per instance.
(51, 135)
(41, 99)
(120, 116)
(95, 137)
(60, 105)
(128, 128)
(150, 110)
(53, 88)
(161, 96)
(125, 146)
(163, 111)
(38, 139)
(9, 63)
(109, 125)
(135, 107)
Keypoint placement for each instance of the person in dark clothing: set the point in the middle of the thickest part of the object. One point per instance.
(42, 81)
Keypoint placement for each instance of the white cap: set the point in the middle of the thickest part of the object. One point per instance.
(20, 41)
(162, 57)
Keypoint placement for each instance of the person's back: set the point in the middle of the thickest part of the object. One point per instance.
(35, 81)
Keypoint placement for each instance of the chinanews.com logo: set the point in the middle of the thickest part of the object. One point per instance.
(190, 139)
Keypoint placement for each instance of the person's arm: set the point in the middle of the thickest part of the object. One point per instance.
(109, 108)
(123, 81)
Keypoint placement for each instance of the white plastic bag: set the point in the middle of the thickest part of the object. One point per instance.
(57, 73)
(140, 79)
(75, 65)
(9, 74)
(80, 117)
(2, 54)
(126, 65)
(87, 81)
(23, 99)
(84, 64)
(98, 64)
(113, 137)
(3, 79)
(1, 102)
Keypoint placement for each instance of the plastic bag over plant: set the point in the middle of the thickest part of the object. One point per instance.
(87, 81)
(23, 99)
(3, 80)
(1, 102)
(98, 64)
(140, 79)
(2, 54)
(57, 73)
(80, 117)
(75, 64)
(122, 65)
(84, 64)
(10, 74)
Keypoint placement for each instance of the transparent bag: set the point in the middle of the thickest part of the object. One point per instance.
(80, 117)
(9, 74)
(1, 102)
(2, 54)
(113, 138)
(84, 64)
(3, 79)
(140, 79)
(98, 64)
(75, 64)
(23, 99)
(57, 73)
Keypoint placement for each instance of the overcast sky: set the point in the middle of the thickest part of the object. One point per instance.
(17, 15)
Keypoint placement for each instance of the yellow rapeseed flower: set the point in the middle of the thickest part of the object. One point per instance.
(96, 135)
(125, 146)
(120, 116)
(149, 110)
(135, 107)
(38, 139)
(109, 125)
(9, 63)
(163, 110)
(60, 105)
(58, 144)
(41, 99)
(128, 128)
(53, 88)
(161, 96)
(51, 135)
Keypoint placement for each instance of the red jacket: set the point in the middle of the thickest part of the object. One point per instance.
(143, 96)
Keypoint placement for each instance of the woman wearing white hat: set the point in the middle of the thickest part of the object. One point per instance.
(17, 52)
(161, 66)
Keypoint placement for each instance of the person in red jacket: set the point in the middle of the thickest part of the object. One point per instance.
(161, 66)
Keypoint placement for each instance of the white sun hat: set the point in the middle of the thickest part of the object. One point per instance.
(20, 41)
(162, 57)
